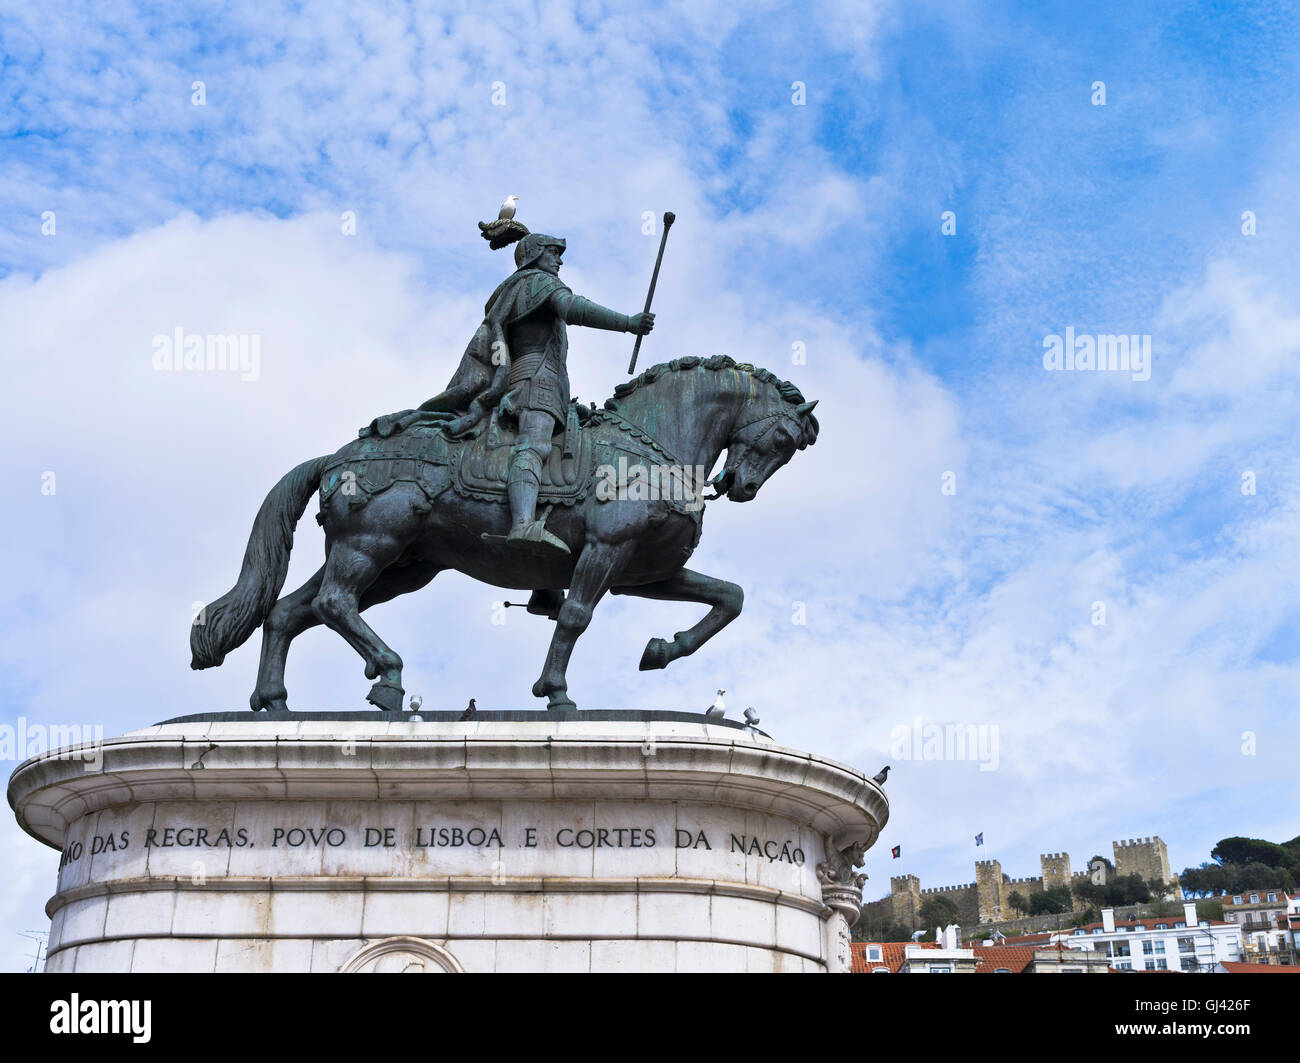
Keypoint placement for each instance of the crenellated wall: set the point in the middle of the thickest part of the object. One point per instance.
(986, 899)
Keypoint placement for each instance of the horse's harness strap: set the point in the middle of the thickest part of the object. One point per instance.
(636, 432)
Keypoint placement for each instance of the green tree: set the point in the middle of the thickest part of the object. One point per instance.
(1017, 901)
(1050, 902)
(1250, 850)
(1090, 893)
(1128, 889)
(870, 928)
(937, 911)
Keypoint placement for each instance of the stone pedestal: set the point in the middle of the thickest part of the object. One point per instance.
(647, 842)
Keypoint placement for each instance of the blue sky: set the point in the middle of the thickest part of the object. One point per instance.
(815, 224)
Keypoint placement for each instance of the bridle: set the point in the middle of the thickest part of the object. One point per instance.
(737, 451)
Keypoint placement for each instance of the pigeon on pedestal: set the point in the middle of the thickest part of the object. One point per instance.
(471, 710)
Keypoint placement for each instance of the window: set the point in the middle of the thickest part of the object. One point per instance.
(1162, 965)
(1272, 898)
(1236, 900)
(1147, 949)
(1150, 965)
(1186, 945)
(873, 952)
(1137, 927)
(941, 970)
(1254, 898)
(1077, 933)
(1096, 930)
(1002, 970)
(1124, 965)
(1118, 948)
(880, 970)
(1160, 948)
(1072, 970)
(1162, 926)
(1179, 925)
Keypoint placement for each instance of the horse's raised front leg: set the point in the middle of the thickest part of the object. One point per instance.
(598, 566)
(687, 586)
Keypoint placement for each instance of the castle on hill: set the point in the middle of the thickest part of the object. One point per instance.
(987, 899)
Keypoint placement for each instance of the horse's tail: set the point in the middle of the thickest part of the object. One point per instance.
(227, 622)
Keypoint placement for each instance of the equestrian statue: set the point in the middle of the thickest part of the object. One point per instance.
(505, 478)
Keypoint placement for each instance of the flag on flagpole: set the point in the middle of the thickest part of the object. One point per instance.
(979, 838)
(896, 851)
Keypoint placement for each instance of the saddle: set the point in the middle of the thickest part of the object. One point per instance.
(421, 454)
(485, 463)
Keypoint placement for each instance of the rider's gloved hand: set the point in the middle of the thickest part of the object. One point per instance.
(640, 324)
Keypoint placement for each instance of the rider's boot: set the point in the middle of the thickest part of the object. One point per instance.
(526, 532)
(546, 602)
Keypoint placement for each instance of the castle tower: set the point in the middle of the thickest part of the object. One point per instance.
(1147, 857)
(989, 886)
(1056, 869)
(1056, 872)
(905, 899)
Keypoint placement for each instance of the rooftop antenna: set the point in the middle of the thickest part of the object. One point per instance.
(41, 939)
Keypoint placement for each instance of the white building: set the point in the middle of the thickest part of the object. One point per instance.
(1153, 943)
(1265, 917)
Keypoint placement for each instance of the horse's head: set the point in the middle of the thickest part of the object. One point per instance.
(760, 444)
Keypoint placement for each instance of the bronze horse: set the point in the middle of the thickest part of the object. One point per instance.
(395, 540)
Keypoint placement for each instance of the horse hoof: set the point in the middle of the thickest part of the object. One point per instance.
(656, 655)
(386, 697)
(260, 701)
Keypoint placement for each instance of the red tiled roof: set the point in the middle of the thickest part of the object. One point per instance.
(891, 952)
(1261, 894)
(1027, 939)
(989, 958)
(1256, 968)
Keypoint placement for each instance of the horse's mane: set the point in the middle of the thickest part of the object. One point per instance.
(788, 391)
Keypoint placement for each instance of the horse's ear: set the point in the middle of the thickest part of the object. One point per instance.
(804, 412)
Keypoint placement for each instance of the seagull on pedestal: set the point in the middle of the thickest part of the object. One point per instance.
(718, 709)
(508, 208)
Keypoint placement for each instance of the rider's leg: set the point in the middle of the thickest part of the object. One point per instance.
(527, 460)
